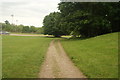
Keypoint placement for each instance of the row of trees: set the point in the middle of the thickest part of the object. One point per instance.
(20, 28)
(83, 19)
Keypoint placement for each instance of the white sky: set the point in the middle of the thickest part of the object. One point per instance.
(27, 12)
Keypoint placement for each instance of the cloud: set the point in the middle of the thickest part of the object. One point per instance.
(27, 12)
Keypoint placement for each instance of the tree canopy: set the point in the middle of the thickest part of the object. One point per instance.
(20, 28)
(51, 24)
(83, 19)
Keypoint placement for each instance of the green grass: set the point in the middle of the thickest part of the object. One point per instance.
(22, 56)
(0, 57)
(96, 57)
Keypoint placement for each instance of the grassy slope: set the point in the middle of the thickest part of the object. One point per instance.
(96, 57)
(0, 57)
(22, 56)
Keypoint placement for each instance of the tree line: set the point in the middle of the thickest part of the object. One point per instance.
(20, 28)
(83, 19)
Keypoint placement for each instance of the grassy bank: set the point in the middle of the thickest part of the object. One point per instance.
(0, 57)
(96, 57)
(22, 56)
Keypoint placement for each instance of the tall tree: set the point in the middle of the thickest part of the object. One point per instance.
(51, 24)
(25, 29)
(90, 19)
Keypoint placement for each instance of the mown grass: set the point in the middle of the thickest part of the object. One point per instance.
(0, 57)
(22, 56)
(96, 57)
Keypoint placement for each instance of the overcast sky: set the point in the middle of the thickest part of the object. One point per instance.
(27, 12)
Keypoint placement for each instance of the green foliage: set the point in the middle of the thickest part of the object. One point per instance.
(96, 57)
(51, 24)
(7, 22)
(90, 19)
(32, 29)
(25, 29)
(20, 28)
(83, 19)
(23, 56)
(40, 30)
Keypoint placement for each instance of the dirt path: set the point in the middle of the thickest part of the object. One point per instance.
(24, 35)
(57, 64)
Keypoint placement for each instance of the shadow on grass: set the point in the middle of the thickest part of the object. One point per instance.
(68, 39)
(75, 39)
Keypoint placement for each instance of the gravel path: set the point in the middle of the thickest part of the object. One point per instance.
(57, 64)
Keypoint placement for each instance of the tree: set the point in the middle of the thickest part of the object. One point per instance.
(40, 30)
(90, 19)
(25, 29)
(51, 24)
(32, 29)
(18, 28)
(7, 22)
(113, 16)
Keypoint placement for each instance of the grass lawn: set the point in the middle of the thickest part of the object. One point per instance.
(96, 57)
(0, 57)
(22, 56)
